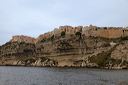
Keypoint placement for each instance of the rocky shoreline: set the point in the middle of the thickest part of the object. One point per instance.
(38, 63)
(106, 68)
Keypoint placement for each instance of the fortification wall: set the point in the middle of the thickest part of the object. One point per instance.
(105, 32)
(115, 33)
(102, 33)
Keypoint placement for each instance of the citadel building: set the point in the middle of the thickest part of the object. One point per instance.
(93, 31)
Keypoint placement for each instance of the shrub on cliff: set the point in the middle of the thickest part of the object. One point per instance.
(52, 37)
(101, 59)
(43, 40)
(64, 46)
(63, 34)
(124, 38)
(78, 34)
(48, 39)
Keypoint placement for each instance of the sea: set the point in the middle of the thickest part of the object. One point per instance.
(11, 75)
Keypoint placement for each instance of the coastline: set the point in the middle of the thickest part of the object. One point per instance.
(77, 67)
(68, 49)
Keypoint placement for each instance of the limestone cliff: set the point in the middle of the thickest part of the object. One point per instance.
(69, 46)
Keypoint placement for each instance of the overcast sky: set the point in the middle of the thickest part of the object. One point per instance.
(34, 17)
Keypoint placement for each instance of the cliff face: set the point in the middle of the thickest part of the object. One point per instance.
(23, 38)
(67, 47)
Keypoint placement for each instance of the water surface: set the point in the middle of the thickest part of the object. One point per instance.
(61, 76)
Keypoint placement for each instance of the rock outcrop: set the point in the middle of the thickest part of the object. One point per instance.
(22, 38)
(90, 46)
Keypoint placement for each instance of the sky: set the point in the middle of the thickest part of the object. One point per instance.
(35, 17)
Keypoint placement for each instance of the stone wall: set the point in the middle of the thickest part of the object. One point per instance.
(115, 33)
(105, 32)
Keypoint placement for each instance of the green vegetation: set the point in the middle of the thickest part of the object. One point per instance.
(43, 40)
(124, 38)
(52, 38)
(101, 59)
(48, 39)
(63, 34)
(28, 50)
(105, 28)
(78, 33)
(64, 46)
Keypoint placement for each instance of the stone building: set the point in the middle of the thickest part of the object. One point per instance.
(89, 31)
(125, 32)
(69, 30)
